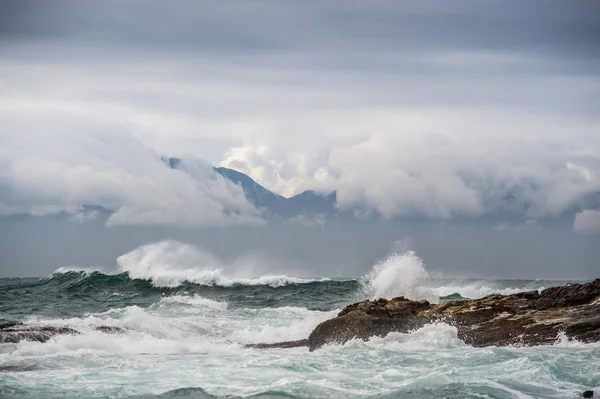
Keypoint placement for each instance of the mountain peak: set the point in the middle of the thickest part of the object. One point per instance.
(308, 203)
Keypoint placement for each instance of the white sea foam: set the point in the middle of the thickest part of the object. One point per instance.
(188, 340)
(171, 263)
(191, 341)
(402, 274)
(179, 324)
(431, 337)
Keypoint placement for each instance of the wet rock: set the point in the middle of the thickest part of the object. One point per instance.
(17, 332)
(280, 345)
(588, 394)
(7, 324)
(110, 329)
(23, 332)
(369, 318)
(526, 318)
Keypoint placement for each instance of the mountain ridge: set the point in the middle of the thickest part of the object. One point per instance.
(309, 203)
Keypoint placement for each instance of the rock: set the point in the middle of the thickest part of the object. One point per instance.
(367, 319)
(23, 332)
(588, 394)
(16, 332)
(110, 329)
(526, 318)
(280, 345)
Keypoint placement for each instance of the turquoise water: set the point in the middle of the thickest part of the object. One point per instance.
(185, 331)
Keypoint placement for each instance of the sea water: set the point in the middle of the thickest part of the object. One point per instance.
(186, 323)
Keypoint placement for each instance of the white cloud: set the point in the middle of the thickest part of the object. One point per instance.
(53, 165)
(432, 125)
(587, 221)
(437, 167)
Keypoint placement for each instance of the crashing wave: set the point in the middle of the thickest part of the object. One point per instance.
(400, 274)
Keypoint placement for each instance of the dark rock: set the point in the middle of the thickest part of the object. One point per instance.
(588, 394)
(369, 318)
(8, 324)
(526, 318)
(24, 332)
(110, 329)
(17, 332)
(280, 345)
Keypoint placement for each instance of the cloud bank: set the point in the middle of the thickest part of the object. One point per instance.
(53, 166)
(406, 110)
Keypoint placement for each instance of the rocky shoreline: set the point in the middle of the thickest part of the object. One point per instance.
(523, 319)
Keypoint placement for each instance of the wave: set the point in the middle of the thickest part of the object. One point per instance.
(171, 263)
(210, 278)
(77, 269)
(400, 274)
(405, 274)
(175, 325)
(389, 279)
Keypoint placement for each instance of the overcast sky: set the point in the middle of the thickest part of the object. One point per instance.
(408, 109)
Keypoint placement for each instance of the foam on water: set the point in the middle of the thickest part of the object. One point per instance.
(184, 341)
(181, 342)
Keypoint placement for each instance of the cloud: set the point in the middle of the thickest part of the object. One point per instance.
(52, 165)
(587, 221)
(403, 109)
(438, 168)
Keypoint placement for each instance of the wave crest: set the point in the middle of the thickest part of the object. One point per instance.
(77, 270)
(171, 264)
(400, 274)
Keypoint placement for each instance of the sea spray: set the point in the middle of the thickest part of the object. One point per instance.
(400, 274)
(171, 263)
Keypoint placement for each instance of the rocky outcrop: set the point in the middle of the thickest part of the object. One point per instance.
(526, 318)
(16, 332)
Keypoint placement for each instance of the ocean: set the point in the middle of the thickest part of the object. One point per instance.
(185, 331)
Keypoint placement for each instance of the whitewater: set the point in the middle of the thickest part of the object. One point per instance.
(187, 318)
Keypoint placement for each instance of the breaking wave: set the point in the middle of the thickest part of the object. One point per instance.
(402, 274)
(171, 263)
(180, 321)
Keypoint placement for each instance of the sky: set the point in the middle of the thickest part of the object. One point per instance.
(415, 113)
